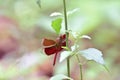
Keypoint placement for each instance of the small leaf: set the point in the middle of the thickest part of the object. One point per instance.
(93, 54)
(56, 14)
(60, 77)
(64, 55)
(72, 11)
(86, 36)
(77, 35)
(39, 3)
(56, 24)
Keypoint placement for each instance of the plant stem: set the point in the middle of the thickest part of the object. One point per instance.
(80, 66)
(67, 35)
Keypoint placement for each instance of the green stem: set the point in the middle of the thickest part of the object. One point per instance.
(67, 35)
(80, 66)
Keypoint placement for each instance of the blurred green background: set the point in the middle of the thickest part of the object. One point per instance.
(23, 25)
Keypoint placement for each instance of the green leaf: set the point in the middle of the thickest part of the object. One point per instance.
(56, 25)
(93, 54)
(60, 77)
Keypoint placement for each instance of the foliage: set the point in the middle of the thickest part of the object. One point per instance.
(56, 25)
(89, 54)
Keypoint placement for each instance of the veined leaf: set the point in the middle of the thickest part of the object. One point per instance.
(64, 55)
(56, 25)
(93, 54)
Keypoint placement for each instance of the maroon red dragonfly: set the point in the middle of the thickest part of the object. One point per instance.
(54, 46)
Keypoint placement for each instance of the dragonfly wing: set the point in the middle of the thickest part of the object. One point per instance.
(50, 50)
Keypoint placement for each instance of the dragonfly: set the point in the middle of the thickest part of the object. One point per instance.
(54, 46)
